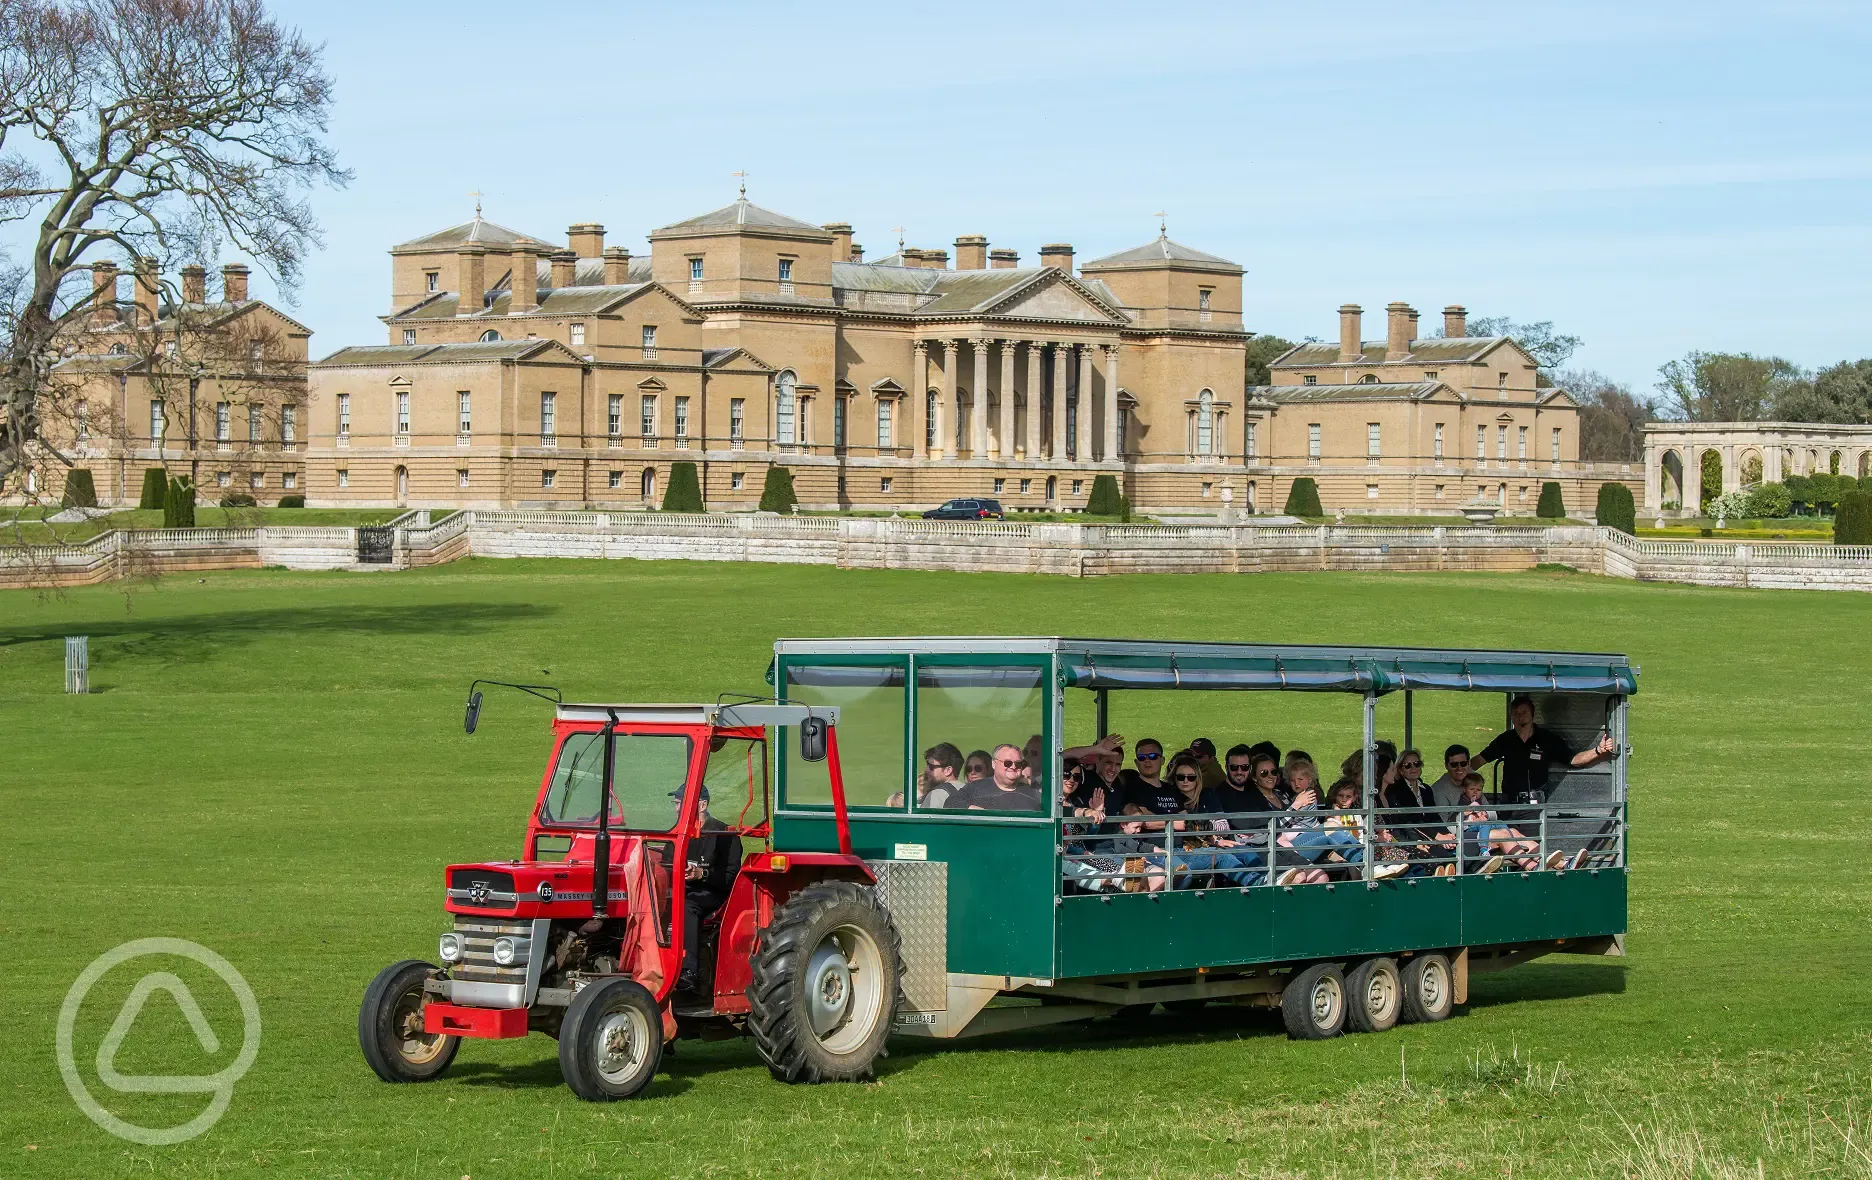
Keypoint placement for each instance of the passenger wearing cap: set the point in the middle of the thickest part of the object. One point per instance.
(1211, 770)
(714, 859)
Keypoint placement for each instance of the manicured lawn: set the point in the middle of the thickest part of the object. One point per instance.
(28, 529)
(271, 764)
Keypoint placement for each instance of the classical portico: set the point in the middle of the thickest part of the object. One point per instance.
(1750, 453)
(1025, 398)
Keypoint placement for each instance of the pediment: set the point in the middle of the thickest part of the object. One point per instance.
(1056, 300)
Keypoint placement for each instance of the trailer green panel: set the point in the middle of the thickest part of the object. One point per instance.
(1529, 907)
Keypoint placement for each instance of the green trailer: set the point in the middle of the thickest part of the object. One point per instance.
(1003, 927)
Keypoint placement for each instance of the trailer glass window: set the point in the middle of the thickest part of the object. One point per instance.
(736, 781)
(870, 733)
(648, 775)
(977, 709)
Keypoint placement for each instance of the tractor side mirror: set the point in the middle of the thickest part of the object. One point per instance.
(812, 739)
(474, 712)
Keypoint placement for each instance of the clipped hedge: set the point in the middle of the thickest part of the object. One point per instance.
(292, 501)
(237, 500)
(1852, 522)
(777, 493)
(1616, 508)
(155, 488)
(80, 492)
(1104, 498)
(684, 491)
(1552, 506)
(1303, 498)
(179, 504)
(1124, 509)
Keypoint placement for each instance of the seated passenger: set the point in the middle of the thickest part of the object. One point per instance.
(1195, 854)
(1484, 832)
(1007, 789)
(1447, 790)
(976, 768)
(1236, 792)
(942, 766)
(1205, 753)
(1086, 796)
(1309, 841)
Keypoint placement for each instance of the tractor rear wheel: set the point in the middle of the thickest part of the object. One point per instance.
(390, 1026)
(825, 988)
(611, 1041)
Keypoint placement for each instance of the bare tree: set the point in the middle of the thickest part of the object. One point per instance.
(154, 129)
(1611, 417)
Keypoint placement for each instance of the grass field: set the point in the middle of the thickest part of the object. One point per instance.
(271, 764)
(26, 528)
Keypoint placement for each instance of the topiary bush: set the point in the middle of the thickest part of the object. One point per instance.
(777, 493)
(1303, 498)
(1124, 509)
(684, 492)
(1552, 506)
(1852, 522)
(237, 500)
(292, 501)
(155, 488)
(1104, 498)
(1616, 509)
(179, 504)
(80, 492)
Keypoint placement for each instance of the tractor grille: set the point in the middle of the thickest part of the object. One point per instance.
(477, 961)
(482, 889)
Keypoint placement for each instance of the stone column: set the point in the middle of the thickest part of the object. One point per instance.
(1771, 463)
(946, 407)
(1033, 399)
(1113, 444)
(1085, 404)
(1653, 477)
(1061, 353)
(1692, 478)
(1732, 472)
(978, 420)
(1004, 445)
(915, 412)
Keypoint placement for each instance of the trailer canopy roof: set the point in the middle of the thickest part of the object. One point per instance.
(1158, 664)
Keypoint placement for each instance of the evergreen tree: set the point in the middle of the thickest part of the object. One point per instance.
(777, 493)
(1552, 506)
(684, 491)
(1852, 522)
(1303, 498)
(80, 492)
(1104, 498)
(1616, 509)
(179, 504)
(155, 488)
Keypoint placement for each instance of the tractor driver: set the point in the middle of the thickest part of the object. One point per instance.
(714, 859)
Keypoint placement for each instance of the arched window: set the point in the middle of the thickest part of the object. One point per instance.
(1833, 463)
(490, 336)
(402, 484)
(118, 350)
(1368, 379)
(649, 483)
(1205, 423)
(786, 386)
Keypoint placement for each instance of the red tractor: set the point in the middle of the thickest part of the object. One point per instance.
(687, 935)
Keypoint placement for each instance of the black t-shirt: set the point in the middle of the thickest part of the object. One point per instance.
(985, 795)
(1525, 764)
(1227, 799)
(1161, 799)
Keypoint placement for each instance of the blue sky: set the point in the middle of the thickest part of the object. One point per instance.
(1652, 177)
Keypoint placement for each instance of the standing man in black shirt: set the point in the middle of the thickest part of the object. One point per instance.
(1527, 750)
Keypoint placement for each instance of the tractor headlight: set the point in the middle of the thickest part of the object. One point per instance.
(505, 952)
(450, 948)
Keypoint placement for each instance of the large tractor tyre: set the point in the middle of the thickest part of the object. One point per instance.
(1429, 989)
(611, 1041)
(1314, 1003)
(1374, 996)
(825, 990)
(390, 1026)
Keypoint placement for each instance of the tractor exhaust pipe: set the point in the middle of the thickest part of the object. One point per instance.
(601, 845)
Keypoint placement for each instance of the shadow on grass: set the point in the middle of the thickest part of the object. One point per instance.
(1546, 981)
(670, 1081)
(195, 636)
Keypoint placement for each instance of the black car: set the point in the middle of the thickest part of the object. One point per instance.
(967, 510)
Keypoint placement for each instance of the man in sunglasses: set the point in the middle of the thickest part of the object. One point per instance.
(1445, 792)
(1009, 786)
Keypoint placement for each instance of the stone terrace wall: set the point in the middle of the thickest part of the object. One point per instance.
(1073, 550)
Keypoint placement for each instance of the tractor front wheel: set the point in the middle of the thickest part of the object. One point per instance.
(390, 1026)
(825, 987)
(611, 1040)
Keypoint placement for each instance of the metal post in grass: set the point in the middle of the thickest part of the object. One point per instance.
(77, 664)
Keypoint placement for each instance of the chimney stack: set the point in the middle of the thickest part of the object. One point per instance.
(1351, 345)
(523, 287)
(1397, 331)
(147, 291)
(586, 239)
(1455, 320)
(1058, 254)
(564, 264)
(471, 263)
(194, 284)
(1003, 259)
(1413, 324)
(841, 232)
(234, 283)
(104, 292)
(971, 252)
(617, 266)
(857, 252)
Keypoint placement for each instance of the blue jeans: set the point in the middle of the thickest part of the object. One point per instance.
(1243, 868)
(1312, 845)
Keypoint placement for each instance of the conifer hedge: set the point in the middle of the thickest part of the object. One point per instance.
(1104, 498)
(777, 493)
(80, 492)
(155, 488)
(1852, 520)
(1303, 498)
(1552, 506)
(1616, 509)
(179, 504)
(684, 491)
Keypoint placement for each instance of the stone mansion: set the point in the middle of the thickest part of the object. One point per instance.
(523, 372)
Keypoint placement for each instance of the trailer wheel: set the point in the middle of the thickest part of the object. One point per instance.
(1314, 1003)
(611, 1041)
(390, 1026)
(1375, 996)
(825, 986)
(1429, 989)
